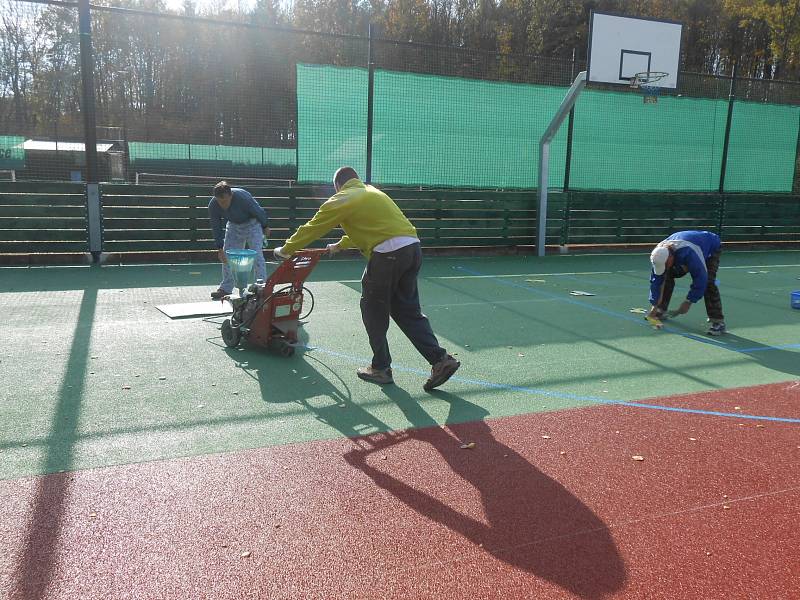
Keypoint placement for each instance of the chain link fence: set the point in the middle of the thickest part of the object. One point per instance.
(181, 99)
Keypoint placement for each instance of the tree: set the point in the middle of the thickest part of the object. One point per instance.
(782, 19)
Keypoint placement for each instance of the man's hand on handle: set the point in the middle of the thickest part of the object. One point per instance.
(278, 253)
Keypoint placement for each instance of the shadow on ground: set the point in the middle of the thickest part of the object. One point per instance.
(531, 521)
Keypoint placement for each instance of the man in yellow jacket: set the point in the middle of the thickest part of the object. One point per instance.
(374, 224)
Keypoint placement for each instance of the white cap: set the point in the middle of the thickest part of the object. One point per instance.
(658, 257)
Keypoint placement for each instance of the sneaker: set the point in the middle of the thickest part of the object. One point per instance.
(219, 294)
(441, 372)
(717, 328)
(379, 376)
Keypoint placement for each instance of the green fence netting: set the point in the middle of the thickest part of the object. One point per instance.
(763, 147)
(12, 152)
(236, 155)
(454, 132)
(446, 131)
(332, 116)
(620, 143)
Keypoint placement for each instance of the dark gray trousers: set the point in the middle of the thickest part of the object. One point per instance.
(389, 288)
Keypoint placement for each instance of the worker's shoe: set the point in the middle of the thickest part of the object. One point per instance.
(380, 376)
(717, 328)
(219, 294)
(441, 372)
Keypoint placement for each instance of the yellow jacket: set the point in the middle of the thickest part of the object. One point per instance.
(367, 215)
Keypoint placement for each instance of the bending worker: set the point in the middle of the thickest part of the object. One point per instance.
(374, 224)
(237, 221)
(696, 253)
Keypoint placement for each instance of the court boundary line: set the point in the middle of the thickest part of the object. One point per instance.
(566, 395)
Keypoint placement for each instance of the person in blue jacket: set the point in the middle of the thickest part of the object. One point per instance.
(237, 221)
(696, 253)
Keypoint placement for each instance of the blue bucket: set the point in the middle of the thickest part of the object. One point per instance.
(241, 263)
(795, 299)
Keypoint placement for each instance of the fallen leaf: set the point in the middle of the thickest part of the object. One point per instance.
(201, 406)
(639, 311)
(580, 293)
(724, 496)
(162, 378)
(737, 408)
(468, 446)
(246, 554)
(92, 515)
(126, 387)
(383, 457)
(637, 457)
(760, 426)
(708, 553)
(725, 507)
(520, 355)
(545, 437)
(692, 439)
(535, 280)
(562, 453)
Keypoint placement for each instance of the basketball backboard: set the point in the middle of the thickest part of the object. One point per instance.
(620, 47)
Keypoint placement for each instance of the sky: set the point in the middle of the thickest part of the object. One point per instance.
(205, 4)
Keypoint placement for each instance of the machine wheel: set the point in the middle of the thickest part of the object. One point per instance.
(286, 350)
(230, 334)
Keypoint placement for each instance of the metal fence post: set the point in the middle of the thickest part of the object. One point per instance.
(370, 99)
(95, 222)
(731, 100)
(570, 123)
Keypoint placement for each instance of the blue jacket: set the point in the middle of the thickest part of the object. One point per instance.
(691, 249)
(243, 208)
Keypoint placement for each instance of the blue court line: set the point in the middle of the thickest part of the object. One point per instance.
(565, 395)
(640, 322)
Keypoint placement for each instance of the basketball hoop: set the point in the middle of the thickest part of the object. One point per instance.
(645, 81)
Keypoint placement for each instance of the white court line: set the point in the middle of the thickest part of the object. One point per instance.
(567, 273)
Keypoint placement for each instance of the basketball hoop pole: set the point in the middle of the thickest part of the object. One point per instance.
(544, 154)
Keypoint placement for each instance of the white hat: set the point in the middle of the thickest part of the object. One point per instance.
(658, 257)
